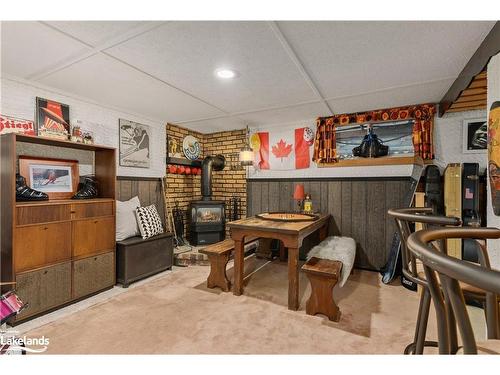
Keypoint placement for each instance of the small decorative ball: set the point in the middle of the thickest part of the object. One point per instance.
(308, 135)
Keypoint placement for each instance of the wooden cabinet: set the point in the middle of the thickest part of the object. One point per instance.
(44, 289)
(92, 274)
(93, 236)
(56, 251)
(39, 245)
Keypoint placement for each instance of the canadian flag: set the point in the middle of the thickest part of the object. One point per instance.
(281, 150)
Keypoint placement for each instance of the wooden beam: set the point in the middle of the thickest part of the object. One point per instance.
(488, 48)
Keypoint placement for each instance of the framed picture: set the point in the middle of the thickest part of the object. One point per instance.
(134, 144)
(475, 136)
(52, 119)
(56, 177)
(10, 124)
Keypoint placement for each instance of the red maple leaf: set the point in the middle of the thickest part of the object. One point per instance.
(282, 150)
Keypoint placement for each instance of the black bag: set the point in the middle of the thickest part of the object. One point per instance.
(370, 147)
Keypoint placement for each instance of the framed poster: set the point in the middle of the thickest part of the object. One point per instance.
(10, 124)
(58, 178)
(494, 155)
(475, 136)
(52, 119)
(134, 144)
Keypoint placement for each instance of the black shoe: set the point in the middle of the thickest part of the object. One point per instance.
(25, 193)
(87, 189)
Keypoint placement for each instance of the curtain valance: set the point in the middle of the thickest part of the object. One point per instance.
(423, 116)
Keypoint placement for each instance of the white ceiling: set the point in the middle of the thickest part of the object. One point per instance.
(288, 71)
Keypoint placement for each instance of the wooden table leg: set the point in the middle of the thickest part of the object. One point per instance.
(293, 278)
(239, 257)
(282, 251)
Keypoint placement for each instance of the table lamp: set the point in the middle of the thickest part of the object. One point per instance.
(299, 195)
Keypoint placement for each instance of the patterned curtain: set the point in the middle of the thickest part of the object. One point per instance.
(423, 116)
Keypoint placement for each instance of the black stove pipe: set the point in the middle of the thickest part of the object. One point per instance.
(216, 163)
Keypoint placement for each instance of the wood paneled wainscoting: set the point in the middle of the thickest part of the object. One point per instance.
(148, 189)
(358, 207)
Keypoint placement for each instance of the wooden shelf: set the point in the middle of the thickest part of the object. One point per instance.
(59, 143)
(63, 201)
(184, 162)
(362, 162)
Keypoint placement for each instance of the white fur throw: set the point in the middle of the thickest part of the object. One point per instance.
(342, 249)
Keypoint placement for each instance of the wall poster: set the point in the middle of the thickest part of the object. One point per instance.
(134, 144)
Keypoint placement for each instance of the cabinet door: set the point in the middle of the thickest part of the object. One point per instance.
(93, 274)
(93, 236)
(41, 245)
(87, 210)
(26, 214)
(44, 288)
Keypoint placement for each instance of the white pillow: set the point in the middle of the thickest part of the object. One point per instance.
(126, 221)
(149, 221)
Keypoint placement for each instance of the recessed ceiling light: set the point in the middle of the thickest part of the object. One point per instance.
(225, 73)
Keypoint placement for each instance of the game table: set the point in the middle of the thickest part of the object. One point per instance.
(291, 233)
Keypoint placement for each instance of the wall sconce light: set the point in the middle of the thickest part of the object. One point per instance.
(246, 153)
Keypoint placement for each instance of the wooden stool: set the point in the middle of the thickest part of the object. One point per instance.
(218, 255)
(323, 275)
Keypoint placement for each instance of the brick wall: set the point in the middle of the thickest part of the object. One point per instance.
(232, 180)
(227, 183)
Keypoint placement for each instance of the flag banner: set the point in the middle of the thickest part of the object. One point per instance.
(282, 149)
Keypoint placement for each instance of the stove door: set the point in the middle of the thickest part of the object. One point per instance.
(207, 215)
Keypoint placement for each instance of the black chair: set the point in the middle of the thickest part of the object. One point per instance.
(447, 293)
(405, 217)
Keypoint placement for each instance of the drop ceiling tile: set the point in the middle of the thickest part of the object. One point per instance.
(417, 94)
(106, 80)
(95, 32)
(304, 112)
(215, 125)
(347, 58)
(186, 54)
(28, 48)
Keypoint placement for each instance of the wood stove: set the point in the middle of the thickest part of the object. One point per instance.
(207, 217)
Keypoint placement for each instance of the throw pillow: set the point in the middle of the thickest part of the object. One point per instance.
(149, 221)
(126, 221)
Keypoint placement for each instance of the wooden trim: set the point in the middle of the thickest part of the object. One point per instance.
(463, 109)
(327, 178)
(488, 48)
(361, 162)
(134, 178)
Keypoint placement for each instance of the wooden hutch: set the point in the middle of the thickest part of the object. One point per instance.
(57, 251)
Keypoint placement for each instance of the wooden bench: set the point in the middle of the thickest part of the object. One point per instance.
(218, 256)
(323, 275)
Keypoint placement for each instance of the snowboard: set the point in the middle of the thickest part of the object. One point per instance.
(393, 266)
(433, 190)
(470, 208)
(453, 203)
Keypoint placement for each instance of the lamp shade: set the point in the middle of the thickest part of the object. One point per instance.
(299, 194)
(246, 156)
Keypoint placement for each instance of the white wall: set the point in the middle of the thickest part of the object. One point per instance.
(493, 95)
(448, 149)
(18, 100)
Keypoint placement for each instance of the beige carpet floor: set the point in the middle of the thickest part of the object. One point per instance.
(176, 313)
